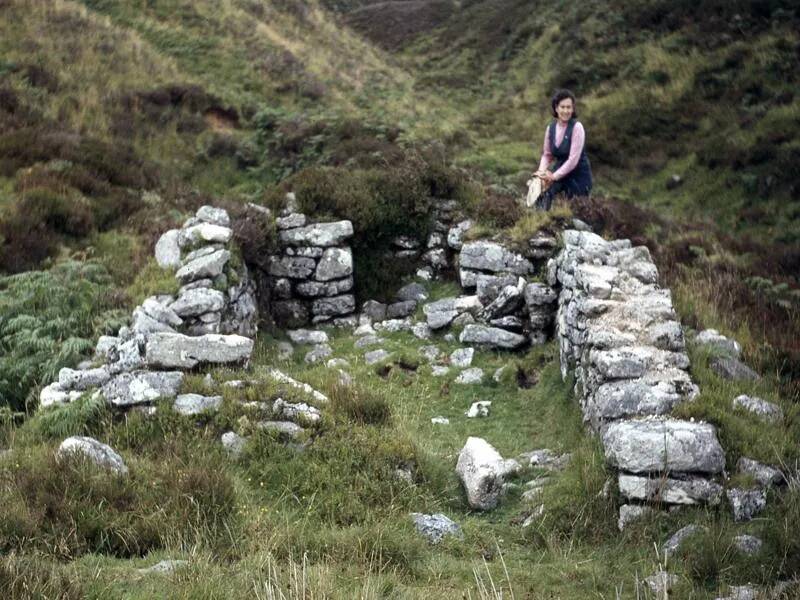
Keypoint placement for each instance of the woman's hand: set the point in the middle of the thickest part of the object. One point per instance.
(547, 176)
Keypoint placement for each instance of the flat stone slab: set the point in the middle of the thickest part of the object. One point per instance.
(167, 251)
(100, 454)
(193, 303)
(692, 490)
(766, 411)
(711, 338)
(75, 379)
(491, 256)
(320, 234)
(141, 387)
(436, 527)
(174, 350)
(376, 356)
(733, 369)
(492, 337)
(630, 398)
(764, 475)
(194, 404)
(307, 336)
(655, 445)
(209, 266)
(471, 376)
(672, 545)
(283, 428)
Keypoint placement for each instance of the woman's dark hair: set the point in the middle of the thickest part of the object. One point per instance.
(562, 95)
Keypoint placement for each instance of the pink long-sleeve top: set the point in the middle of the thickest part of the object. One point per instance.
(578, 139)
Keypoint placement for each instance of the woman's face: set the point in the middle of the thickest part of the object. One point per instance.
(565, 109)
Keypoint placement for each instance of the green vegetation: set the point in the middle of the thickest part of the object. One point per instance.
(119, 119)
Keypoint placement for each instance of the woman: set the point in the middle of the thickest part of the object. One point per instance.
(564, 145)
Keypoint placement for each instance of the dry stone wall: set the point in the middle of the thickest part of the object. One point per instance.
(618, 332)
(311, 278)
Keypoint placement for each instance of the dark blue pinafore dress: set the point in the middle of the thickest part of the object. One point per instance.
(576, 183)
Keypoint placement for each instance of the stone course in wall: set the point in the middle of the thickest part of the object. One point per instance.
(311, 278)
(619, 334)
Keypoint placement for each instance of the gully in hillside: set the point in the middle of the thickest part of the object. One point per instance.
(564, 166)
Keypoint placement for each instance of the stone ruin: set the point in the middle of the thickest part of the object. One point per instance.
(211, 320)
(616, 328)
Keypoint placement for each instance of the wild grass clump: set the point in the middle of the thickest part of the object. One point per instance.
(576, 504)
(551, 221)
(35, 577)
(346, 476)
(71, 507)
(360, 404)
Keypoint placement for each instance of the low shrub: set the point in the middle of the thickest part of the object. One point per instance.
(32, 577)
(360, 405)
(498, 210)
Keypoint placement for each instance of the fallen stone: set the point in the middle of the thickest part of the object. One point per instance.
(766, 411)
(546, 459)
(741, 592)
(320, 234)
(233, 443)
(163, 567)
(462, 320)
(174, 350)
(764, 475)
(747, 544)
(507, 301)
(482, 472)
(436, 527)
(337, 363)
(285, 429)
(672, 545)
(661, 583)
(167, 251)
(194, 404)
(462, 357)
(440, 421)
(628, 513)
(375, 356)
(492, 337)
(100, 454)
(711, 338)
(375, 310)
(746, 504)
(285, 350)
(399, 310)
(655, 445)
(439, 370)
(440, 320)
(394, 325)
(412, 291)
(294, 411)
(471, 376)
(430, 353)
(54, 394)
(368, 340)
(319, 353)
(140, 387)
(282, 377)
(71, 379)
(732, 369)
(421, 331)
(306, 336)
(479, 409)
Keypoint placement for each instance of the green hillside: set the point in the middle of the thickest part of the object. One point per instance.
(119, 118)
